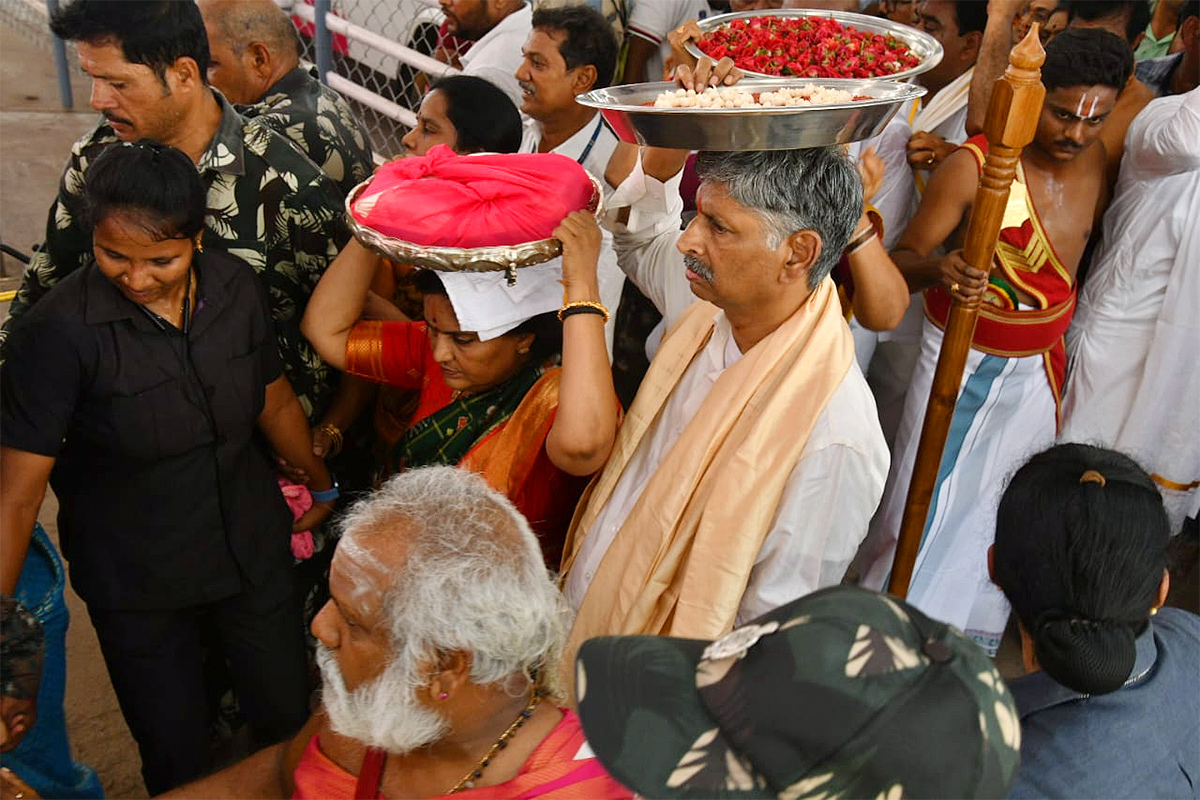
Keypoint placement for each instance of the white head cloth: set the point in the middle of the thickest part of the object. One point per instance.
(486, 304)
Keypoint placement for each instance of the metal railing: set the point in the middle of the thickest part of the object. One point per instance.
(378, 54)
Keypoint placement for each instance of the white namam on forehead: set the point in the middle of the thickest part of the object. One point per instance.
(366, 572)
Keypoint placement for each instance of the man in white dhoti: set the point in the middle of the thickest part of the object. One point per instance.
(1133, 379)
(1007, 405)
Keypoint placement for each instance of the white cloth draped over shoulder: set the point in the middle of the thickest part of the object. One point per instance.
(1134, 379)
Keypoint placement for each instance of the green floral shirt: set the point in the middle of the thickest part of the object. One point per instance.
(320, 122)
(267, 204)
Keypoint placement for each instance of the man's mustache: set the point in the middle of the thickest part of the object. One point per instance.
(699, 267)
(114, 118)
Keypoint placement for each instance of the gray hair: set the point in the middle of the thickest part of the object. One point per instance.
(472, 579)
(242, 23)
(792, 190)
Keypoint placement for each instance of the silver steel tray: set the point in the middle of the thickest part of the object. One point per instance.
(781, 128)
(921, 44)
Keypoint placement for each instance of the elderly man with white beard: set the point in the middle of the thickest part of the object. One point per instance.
(438, 654)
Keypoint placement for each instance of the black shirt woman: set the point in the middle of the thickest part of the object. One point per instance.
(140, 390)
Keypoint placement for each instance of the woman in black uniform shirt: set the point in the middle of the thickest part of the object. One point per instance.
(137, 390)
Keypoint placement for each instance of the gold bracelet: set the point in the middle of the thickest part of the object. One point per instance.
(582, 307)
(335, 435)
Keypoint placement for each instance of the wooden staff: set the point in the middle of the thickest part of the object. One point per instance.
(1011, 122)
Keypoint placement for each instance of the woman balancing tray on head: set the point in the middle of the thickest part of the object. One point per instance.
(486, 357)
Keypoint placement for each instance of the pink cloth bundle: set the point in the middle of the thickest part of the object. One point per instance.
(446, 200)
(299, 501)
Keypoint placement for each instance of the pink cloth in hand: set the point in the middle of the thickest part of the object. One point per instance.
(299, 501)
(443, 199)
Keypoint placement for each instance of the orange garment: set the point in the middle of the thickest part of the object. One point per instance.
(511, 457)
(562, 768)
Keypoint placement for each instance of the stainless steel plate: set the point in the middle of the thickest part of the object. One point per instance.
(921, 44)
(787, 128)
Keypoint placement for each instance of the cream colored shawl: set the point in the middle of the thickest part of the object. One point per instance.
(681, 562)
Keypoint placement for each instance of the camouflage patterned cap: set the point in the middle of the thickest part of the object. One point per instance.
(843, 693)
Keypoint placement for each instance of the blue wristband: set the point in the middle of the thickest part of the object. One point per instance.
(326, 495)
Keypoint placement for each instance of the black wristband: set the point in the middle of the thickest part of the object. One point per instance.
(580, 309)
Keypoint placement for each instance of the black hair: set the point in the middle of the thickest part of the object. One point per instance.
(972, 16)
(483, 116)
(1190, 9)
(1136, 13)
(1087, 57)
(1081, 560)
(546, 328)
(157, 185)
(589, 39)
(156, 33)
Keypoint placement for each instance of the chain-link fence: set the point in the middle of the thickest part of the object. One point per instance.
(382, 59)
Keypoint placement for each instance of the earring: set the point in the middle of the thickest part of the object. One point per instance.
(199, 246)
(522, 350)
(443, 695)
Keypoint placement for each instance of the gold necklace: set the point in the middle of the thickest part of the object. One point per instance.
(468, 781)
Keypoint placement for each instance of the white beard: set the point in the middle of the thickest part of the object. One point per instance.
(383, 713)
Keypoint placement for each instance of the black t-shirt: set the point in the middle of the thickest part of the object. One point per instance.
(166, 497)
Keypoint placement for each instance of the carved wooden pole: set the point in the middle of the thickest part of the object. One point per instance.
(1011, 122)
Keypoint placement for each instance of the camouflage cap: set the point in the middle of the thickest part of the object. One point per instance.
(842, 693)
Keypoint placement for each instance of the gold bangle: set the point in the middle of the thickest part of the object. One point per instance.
(335, 435)
(582, 307)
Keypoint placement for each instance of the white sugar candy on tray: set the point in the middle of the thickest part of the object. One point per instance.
(734, 97)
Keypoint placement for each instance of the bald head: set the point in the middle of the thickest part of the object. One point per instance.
(253, 45)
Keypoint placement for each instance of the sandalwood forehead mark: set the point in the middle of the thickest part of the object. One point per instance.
(1092, 109)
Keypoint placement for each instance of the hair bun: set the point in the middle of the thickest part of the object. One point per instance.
(1092, 657)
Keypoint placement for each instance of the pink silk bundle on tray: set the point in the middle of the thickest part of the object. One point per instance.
(443, 199)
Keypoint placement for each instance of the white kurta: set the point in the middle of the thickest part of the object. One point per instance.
(592, 146)
(832, 490)
(652, 20)
(496, 57)
(1133, 382)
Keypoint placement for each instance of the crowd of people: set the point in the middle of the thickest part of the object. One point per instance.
(615, 522)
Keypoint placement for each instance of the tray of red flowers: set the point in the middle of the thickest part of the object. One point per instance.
(808, 43)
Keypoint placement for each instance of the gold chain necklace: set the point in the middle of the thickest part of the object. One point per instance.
(468, 780)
